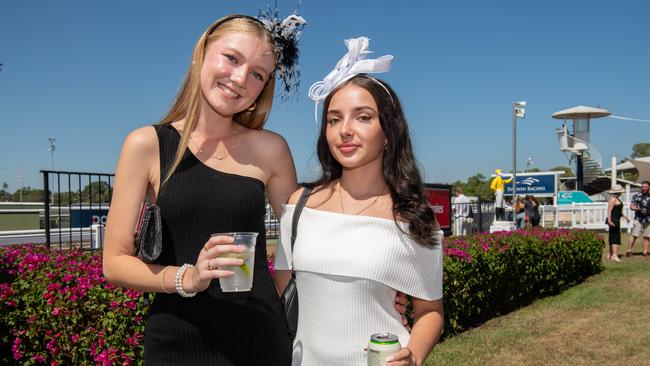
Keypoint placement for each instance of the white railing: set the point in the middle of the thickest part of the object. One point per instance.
(581, 216)
(94, 234)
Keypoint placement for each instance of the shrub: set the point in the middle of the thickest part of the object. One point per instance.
(486, 275)
(56, 308)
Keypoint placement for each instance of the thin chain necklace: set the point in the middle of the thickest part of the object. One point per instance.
(364, 208)
(228, 151)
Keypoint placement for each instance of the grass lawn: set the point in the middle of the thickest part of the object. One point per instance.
(603, 321)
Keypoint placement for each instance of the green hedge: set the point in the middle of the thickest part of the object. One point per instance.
(487, 275)
(56, 307)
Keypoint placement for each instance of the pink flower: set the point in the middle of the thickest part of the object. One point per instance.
(130, 305)
(131, 341)
(133, 294)
(56, 311)
(38, 358)
(15, 349)
(51, 346)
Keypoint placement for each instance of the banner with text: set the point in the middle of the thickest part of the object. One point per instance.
(439, 196)
(537, 184)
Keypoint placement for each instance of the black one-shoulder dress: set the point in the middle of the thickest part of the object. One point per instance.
(212, 328)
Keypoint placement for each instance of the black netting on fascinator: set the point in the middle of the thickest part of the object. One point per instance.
(285, 34)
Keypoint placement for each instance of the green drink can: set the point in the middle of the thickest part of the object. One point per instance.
(381, 346)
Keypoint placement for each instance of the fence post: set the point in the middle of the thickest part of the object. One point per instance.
(96, 236)
(46, 188)
(480, 215)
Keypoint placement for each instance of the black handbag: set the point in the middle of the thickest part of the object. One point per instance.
(148, 233)
(290, 294)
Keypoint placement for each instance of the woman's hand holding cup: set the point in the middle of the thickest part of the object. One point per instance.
(212, 257)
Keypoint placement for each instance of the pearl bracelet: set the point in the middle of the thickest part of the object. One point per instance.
(179, 281)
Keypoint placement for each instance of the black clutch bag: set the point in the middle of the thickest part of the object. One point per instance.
(290, 294)
(148, 233)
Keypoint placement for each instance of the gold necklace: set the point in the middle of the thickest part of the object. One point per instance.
(363, 209)
(228, 151)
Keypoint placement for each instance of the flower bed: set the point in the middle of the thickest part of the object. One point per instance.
(56, 307)
(486, 275)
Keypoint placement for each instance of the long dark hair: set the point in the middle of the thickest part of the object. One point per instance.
(400, 167)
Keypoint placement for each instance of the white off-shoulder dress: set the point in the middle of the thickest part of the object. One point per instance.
(348, 269)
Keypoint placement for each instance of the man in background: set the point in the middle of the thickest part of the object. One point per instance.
(640, 205)
(462, 217)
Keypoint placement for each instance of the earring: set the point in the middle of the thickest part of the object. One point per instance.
(386, 146)
(252, 108)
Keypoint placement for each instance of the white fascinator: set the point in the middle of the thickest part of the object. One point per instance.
(353, 63)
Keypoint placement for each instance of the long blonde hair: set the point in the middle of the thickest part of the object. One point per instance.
(188, 100)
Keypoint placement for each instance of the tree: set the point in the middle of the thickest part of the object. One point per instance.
(4, 193)
(568, 172)
(91, 192)
(640, 150)
(477, 185)
(29, 195)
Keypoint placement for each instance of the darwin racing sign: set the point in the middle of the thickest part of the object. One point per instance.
(540, 184)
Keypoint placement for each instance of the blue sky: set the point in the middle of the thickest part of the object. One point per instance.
(88, 72)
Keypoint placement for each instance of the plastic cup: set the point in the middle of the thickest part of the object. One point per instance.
(242, 280)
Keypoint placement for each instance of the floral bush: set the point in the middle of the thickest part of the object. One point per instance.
(486, 275)
(57, 309)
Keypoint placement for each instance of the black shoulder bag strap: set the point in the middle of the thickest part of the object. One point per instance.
(296, 214)
(290, 294)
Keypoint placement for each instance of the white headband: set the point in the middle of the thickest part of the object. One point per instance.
(353, 63)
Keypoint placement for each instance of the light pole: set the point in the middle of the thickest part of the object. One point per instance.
(518, 111)
(21, 182)
(51, 147)
(529, 163)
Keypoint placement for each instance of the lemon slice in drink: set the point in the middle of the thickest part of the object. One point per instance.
(244, 267)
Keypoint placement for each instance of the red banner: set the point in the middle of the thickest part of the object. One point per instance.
(439, 196)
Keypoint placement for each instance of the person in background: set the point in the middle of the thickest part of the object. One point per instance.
(614, 214)
(462, 219)
(531, 208)
(536, 215)
(640, 204)
(518, 210)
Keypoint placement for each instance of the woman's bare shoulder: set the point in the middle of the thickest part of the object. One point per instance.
(270, 141)
(317, 196)
(143, 139)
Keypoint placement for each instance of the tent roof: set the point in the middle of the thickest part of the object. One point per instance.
(643, 167)
(628, 165)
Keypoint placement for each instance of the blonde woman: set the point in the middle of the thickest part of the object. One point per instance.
(207, 165)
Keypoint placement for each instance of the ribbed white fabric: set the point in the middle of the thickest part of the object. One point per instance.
(348, 269)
